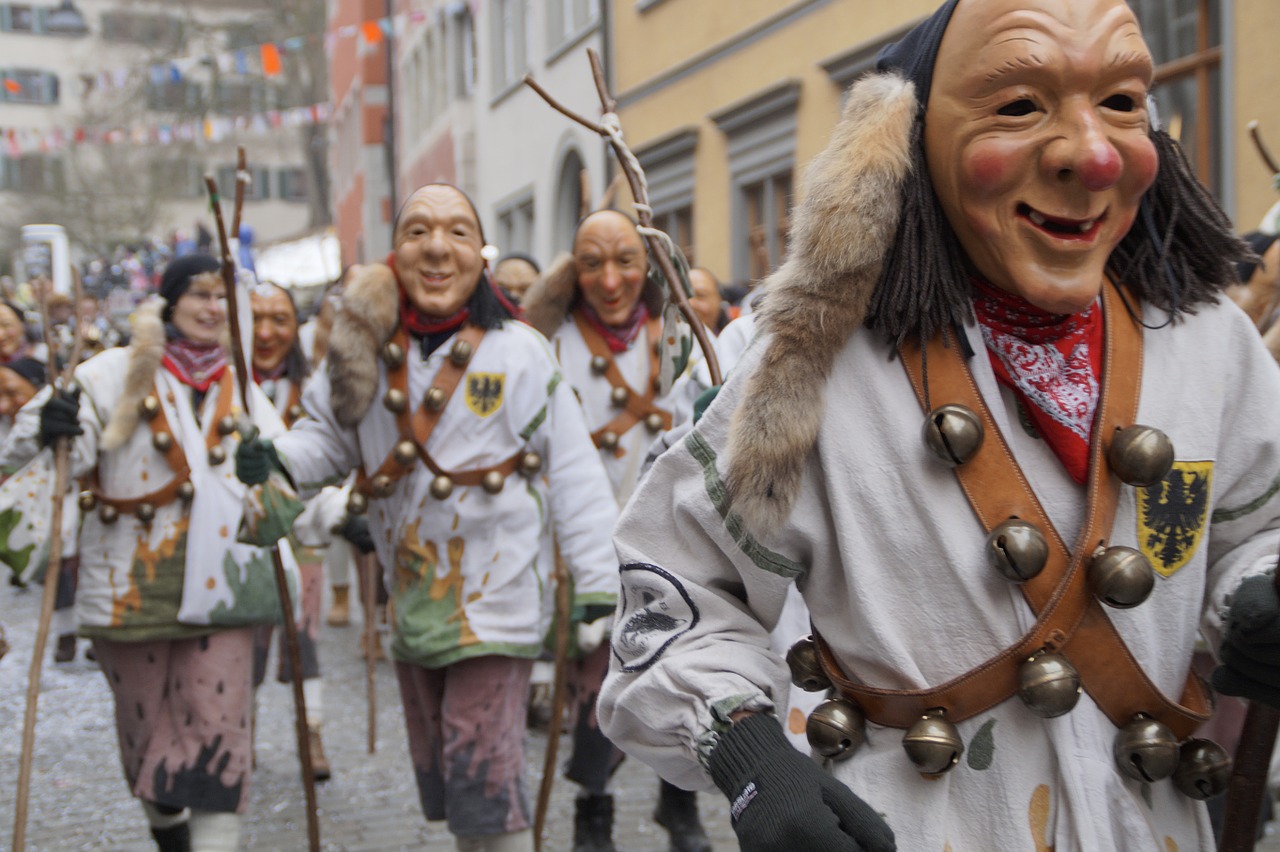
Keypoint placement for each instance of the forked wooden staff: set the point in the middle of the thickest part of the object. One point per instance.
(61, 477)
(1256, 135)
(369, 583)
(656, 241)
(282, 582)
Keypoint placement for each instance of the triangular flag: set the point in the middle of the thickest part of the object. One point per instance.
(372, 32)
(270, 60)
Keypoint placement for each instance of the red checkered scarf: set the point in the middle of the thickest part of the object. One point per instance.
(196, 365)
(1053, 364)
(618, 337)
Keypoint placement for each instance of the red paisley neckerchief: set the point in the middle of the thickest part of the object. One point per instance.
(1053, 364)
(197, 365)
(618, 337)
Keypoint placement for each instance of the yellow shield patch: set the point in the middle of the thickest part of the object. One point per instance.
(1172, 515)
(484, 392)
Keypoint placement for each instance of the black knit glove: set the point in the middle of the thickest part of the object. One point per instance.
(355, 529)
(782, 800)
(255, 458)
(1250, 652)
(60, 417)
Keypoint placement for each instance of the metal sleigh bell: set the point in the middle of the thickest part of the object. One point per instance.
(357, 503)
(1146, 750)
(1121, 577)
(835, 729)
(806, 671)
(1049, 685)
(953, 433)
(1017, 550)
(393, 354)
(149, 407)
(933, 744)
(441, 487)
(1140, 455)
(1204, 768)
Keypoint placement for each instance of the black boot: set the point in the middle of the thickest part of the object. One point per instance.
(677, 812)
(593, 824)
(175, 838)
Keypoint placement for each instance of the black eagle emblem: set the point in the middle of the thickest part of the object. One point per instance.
(484, 392)
(1172, 515)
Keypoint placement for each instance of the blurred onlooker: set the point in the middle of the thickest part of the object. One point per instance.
(13, 333)
(515, 273)
(707, 301)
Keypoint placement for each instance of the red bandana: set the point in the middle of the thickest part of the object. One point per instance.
(261, 376)
(196, 365)
(618, 337)
(1053, 364)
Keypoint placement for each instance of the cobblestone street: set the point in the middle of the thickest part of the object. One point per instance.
(79, 800)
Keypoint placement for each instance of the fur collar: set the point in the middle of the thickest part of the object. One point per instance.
(146, 351)
(842, 231)
(369, 315)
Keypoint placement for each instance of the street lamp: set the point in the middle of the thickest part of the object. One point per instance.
(66, 19)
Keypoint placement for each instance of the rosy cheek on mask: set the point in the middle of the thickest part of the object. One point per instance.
(987, 170)
(1142, 163)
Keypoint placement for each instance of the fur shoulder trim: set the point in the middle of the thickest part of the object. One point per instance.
(146, 351)
(547, 302)
(842, 231)
(369, 315)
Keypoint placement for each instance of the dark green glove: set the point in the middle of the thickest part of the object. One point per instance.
(60, 417)
(1250, 651)
(780, 800)
(355, 529)
(587, 613)
(255, 459)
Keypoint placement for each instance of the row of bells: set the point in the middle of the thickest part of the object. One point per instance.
(1144, 749)
(144, 512)
(459, 353)
(149, 407)
(442, 486)
(600, 366)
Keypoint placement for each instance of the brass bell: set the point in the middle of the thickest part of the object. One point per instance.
(1017, 550)
(217, 456)
(435, 399)
(933, 744)
(1140, 455)
(619, 396)
(493, 482)
(149, 407)
(87, 501)
(145, 512)
(953, 433)
(382, 485)
(187, 491)
(1121, 577)
(441, 487)
(653, 422)
(357, 503)
(108, 514)
(226, 425)
(162, 441)
(295, 412)
(405, 452)
(1049, 685)
(609, 441)
(395, 401)
(599, 364)
(1204, 767)
(530, 464)
(393, 354)
(1146, 750)
(460, 352)
(835, 729)
(806, 672)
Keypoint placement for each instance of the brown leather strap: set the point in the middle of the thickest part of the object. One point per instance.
(175, 456)
(1069, 618)
(418, 426)
(639, 405)
(291, 408)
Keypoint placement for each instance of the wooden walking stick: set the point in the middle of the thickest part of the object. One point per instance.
(61, 475)
(242, 182)
(282, 582)
(563, 611)
(1256, 135)
(369, 582)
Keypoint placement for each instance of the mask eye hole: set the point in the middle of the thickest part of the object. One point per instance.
(1120, 103)
(1020, 107)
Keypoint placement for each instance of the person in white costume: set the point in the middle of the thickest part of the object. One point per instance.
(1000, 245)
(470, 452)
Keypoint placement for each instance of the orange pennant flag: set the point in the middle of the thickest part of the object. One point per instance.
(12, 86)
(372, 32)
(270, 60)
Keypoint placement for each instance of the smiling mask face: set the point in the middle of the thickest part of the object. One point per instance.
(1036, 137)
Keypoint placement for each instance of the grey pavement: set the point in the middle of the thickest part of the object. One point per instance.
(79, 800)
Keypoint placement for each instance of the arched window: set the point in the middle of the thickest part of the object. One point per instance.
(570, 203)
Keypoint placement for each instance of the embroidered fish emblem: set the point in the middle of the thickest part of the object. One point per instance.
(1172, 515)
(484, 392)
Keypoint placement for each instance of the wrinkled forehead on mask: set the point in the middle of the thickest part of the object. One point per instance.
(432, 187)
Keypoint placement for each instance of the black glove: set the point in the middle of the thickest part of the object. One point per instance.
(1250, 652)
(355, 529)
(255, 458)
(782, 800)
(60, 417)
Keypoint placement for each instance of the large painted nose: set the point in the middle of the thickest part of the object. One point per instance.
(1084, 152)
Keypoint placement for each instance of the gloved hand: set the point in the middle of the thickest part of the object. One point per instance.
(781, 800)
(60, 417)
(255, 457)
(1250, 651)
(355, 529)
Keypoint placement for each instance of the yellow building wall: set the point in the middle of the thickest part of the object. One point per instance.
(1256, 64)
